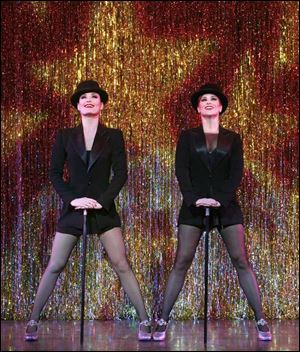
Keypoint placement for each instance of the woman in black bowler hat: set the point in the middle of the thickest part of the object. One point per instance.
(91, 151)
(209, 168)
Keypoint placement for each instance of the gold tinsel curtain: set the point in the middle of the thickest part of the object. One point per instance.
(150, 56)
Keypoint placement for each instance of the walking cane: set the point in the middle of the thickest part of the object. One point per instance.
(206, 272)
(83, 260)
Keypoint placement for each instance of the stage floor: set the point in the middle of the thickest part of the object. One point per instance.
(223, 335)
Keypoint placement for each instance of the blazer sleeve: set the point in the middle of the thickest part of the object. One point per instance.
(226, 192)
(182, 169)
(119, 168)
(56, 170)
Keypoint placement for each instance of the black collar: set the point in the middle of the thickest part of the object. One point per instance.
(225, 139)
(100, 140)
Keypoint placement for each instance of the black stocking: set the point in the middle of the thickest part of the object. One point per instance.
(233, 237)
(113, 243)
(188, 239)
(61, 250)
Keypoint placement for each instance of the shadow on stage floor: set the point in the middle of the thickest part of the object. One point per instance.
(223, 335)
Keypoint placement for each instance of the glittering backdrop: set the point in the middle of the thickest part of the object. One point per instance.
(150, 57)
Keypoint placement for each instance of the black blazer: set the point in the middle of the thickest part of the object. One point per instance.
(108, 152)
(198, 179)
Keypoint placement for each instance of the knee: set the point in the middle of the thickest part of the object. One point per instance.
(240, 262)
(55, 267)
(183, 264)
(121, 265)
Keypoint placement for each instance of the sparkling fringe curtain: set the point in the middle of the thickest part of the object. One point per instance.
(150, 56)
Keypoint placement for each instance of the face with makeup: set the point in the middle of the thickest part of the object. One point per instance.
(209, 105)
(90, 104)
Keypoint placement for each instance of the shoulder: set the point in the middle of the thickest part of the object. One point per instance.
(189, 132)
(230, 133)
(113, 132)
(67, 130)
(115, 135)
(64, 132)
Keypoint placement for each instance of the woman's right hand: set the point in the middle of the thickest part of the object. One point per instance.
(84, 203)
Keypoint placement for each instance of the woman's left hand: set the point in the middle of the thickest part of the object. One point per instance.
(97, 206)
(207, 202)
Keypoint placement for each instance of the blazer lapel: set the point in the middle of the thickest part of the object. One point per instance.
(200, 145)
(100, 141)
(78, 142)
(223, 146)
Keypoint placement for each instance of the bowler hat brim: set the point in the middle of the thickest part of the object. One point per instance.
(207, 90)
(75, 97)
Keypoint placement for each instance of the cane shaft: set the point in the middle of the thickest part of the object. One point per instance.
(206, 272)
(83, 261)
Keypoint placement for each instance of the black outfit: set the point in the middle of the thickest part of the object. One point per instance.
(89, 176)
(209, 175)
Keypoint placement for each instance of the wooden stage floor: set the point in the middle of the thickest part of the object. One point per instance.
(223, 335)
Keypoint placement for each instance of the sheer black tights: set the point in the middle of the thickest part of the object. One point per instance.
(113, 243)
(63, 245)
(188, 239)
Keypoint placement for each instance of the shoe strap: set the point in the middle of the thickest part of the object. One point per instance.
(32, 323)
(161, 322)
(145, 322)
(261, 322)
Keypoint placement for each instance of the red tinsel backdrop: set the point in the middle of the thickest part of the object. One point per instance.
(150, 56)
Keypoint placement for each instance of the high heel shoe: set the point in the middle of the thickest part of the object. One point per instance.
(160, 330)
(31, 333)
(145, 330)
(262, 328)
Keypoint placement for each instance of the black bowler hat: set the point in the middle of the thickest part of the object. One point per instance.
(212, 89)
(86, 87)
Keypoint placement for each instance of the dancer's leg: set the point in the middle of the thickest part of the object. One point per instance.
(233, 237)
(62, 247)
(188, 239)
(113, 243)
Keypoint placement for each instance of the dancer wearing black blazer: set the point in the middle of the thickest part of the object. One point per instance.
(209, 168)
(90, 151)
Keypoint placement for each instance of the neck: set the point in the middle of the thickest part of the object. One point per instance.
(89, 123)
(210, 124)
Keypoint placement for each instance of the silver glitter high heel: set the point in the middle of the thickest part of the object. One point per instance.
(262, 328)
(145, 335)
(31, 333)
(160, 330)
